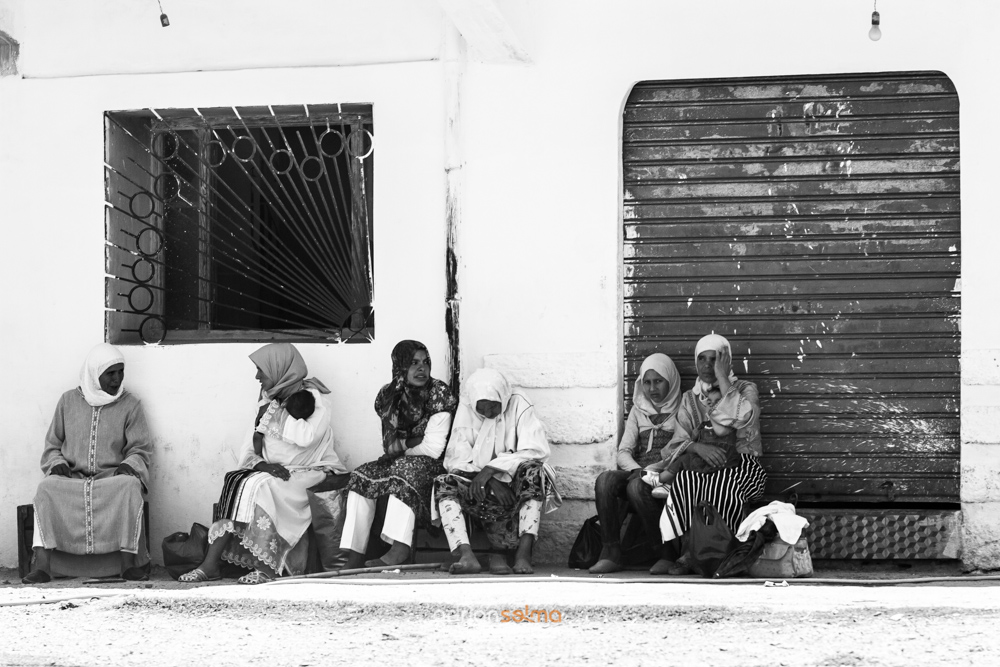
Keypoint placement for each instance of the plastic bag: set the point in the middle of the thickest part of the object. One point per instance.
(709, 540)
(328, 515)
(587, 547)
(183, 552)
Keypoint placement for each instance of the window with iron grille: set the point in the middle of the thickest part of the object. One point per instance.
(239, 224)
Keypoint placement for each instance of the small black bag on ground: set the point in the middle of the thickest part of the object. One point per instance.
(709, 540)
(587, 547)
(183, 552)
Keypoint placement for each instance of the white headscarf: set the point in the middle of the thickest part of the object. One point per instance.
(664, 366)
(489, 434)
(711, 343)
(99, 359)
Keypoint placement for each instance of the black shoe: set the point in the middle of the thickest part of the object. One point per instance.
(37, 577)
(134, 574)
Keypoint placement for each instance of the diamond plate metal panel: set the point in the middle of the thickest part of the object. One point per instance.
(884, 534)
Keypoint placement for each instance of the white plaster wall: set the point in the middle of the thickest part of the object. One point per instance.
(539, 246)
(199, 398)
(64, 38)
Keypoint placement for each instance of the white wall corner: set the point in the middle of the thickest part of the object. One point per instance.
(562, 369)
(979, 425)
(488, 34)
(981, 367)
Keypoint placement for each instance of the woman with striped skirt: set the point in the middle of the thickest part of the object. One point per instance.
(718, 422)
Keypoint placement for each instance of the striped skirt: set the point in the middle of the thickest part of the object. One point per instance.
(727, 489)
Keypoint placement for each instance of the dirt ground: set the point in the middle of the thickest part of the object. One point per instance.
(434, 619)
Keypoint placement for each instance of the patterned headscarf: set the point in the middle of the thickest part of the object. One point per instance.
(405, 409)
(99, 359)
(285, 367)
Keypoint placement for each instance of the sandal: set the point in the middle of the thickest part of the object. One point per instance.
(255, 577)
(197, 576)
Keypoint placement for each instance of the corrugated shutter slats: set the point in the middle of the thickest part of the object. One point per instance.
(814, 221)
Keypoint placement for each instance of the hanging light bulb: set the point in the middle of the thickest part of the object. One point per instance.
(164, 21)
(875, 33)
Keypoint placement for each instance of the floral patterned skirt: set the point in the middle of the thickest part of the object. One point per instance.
(409, 478)
(268, 517)
(499, 522)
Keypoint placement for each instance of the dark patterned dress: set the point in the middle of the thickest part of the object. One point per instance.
(404, 411)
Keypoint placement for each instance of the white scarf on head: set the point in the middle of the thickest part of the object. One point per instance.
(99, 359)
(484, 384)
(665, 368)
(711, 343)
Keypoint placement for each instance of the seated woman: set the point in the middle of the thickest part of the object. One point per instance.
(649, 427)
(416, 412)
(497, 472)
(720, 414)
(96, 461)
(265, 504)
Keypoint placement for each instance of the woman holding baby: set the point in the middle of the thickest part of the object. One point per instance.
(264, 504)
(714, 453)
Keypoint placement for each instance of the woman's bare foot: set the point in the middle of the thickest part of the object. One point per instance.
(522, 559)
(355, 560)
(467, 562)
(397, 554)
(498, 564)
(610, 560)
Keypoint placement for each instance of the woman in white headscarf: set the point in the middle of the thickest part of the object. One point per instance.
(718, 419)
(648, 429)
(497, 472)
(96, 461)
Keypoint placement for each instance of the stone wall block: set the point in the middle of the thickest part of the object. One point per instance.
(575, 422)
(981, 536)
(979, 424)
(981, 367)
(593, 369)
(980, 473)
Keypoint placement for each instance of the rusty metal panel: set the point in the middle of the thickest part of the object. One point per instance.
(814, 221)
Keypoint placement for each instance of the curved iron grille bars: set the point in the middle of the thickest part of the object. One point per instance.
(249, 223)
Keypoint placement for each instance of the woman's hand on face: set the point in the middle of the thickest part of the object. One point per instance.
(501, 491)
(712, 455)
(60, 470)
(479, 484)
(723, 363)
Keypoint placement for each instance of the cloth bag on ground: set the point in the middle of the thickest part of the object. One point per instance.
(183, 552)
(781, 560)
(709, 540)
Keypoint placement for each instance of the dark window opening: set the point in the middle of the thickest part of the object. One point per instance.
(240, 224)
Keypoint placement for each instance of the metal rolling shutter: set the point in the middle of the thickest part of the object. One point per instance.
(814, 221)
